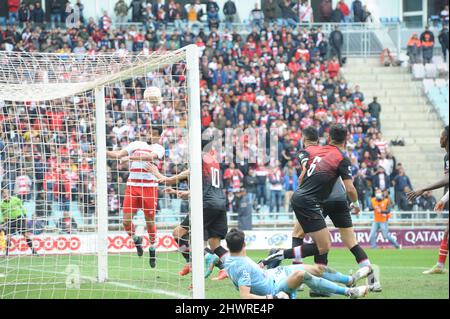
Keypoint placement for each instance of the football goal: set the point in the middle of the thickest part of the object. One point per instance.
(75, 222)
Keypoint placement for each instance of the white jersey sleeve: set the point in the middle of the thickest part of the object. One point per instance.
(158, 150)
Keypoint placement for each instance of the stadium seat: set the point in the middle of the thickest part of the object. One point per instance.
(431, 71)
(442, 69)
(437, 59)
(418, 71)
(427, 85)
(440, 83)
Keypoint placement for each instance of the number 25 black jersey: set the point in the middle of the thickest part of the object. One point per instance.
(325, 164)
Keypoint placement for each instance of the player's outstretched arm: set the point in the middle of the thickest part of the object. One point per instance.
(116, 154)
(415, 194)
(441, 204)
(143, 157)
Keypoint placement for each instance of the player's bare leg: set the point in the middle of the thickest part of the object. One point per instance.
(311, 277)
(439, 268)
(151, 230)
(129, 210)
(181, 236)
(297, 240)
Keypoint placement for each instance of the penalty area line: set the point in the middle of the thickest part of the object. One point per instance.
(113, 283)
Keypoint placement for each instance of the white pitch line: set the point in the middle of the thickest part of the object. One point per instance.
(114, 283)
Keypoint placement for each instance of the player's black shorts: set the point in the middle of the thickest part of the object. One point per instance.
(15, 226)
(215, 223)
(339, 213)
(309, 214)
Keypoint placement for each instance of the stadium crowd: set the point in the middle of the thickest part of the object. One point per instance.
(277, 76)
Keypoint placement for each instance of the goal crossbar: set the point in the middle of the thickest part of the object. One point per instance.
(33, 81)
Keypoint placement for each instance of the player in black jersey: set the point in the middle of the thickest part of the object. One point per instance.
(443, 250)
(325, 165)
(214, 212)
(336, 207)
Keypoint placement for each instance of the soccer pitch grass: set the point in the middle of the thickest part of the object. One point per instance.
(130, 277)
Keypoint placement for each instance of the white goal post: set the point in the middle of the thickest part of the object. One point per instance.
(38, 78)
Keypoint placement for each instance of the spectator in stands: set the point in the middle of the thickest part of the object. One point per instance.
(325, 10)
(276, 186)
(213, 17)
(55, 12)
(336, 41)
(288, 15)
(250, 184)
(13, 8)
(67, 224)
(387, 58)
(257, 17)
(290, 185)
(427, 44)
(345, 11)
(23, 186)
(413, 49)
(80, 7)
(358, 11)
(401, 182)
(305, 12)
(105, 22)
(380, 179)
(403, 203)
(375, 110)
(444, 15)
(3, 16)
(244, 210)
(42, 208)
(212, 4)
(337, 16)
(229, 10)
(443, 40)
(362, 187)
(427, 201)
(37, 13)
(367, 15)
(121, 11)
(136, 10)
(113, 205)
(382, 212)
(261, 174)
(334, 67)
(272, 11)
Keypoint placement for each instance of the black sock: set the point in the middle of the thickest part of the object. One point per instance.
(220, 251)
(7, 247)
(220, 264)
(306, 251)
(30, 244)
(183, 247)
(297, 241)
(359, 253)
(321, 259)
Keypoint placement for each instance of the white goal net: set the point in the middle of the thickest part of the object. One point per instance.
(64, 233)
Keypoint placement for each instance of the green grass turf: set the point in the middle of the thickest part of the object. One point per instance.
(130, 277)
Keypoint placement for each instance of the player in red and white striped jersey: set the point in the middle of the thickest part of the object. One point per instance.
(141, 191)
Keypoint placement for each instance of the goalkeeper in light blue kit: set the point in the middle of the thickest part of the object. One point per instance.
(282, 282)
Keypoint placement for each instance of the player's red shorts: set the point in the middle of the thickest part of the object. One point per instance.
(145, 198)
